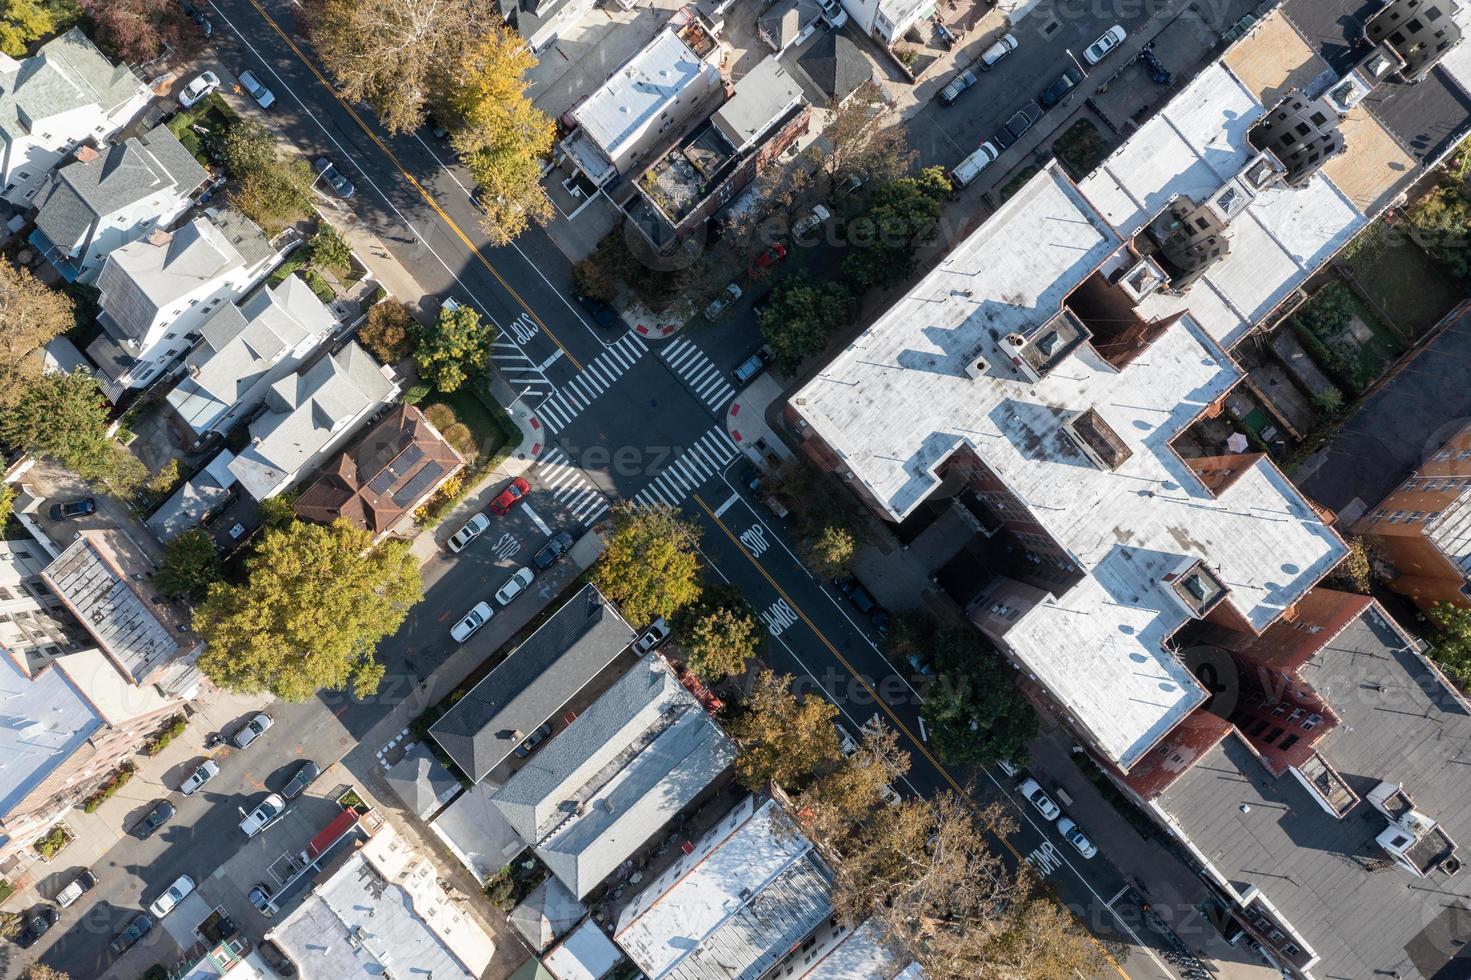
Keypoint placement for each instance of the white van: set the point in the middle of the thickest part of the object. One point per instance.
(1005, 46)
(967, 170)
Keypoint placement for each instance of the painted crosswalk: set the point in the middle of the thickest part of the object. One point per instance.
(570, 487)
(698, 372)
(567, 402)
(694, 466)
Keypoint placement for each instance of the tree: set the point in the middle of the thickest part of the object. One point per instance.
(277, 196)
(329, 250)
(783, 740)
(7, 503)
(900, 214)
(247, 147)
(457, 345)
(1453, 643)
(829, 552)
(802, 315)
(650, 566)
(315, 603)
(1038, 938)
(1440, 223)
(31, 315)
(718, 638)
(841, 799)
(191, 563)
(973, 709)
(24, 21)
(62, 416)
(860, 136)
(40, 971)
(142, 30)
(389, 331)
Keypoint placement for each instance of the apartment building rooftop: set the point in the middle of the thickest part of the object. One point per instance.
(47, 720)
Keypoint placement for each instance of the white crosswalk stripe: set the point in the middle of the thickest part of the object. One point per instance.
(691, 469)
(698, 372)
(570, 487)
(520, 372)
(563, 405)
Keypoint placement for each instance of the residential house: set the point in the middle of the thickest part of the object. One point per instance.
(104, 199)
(398, 464)
(308, 416)
(156, 292)
(887, 21)
(542, 22)
(788, 22)
(836, 66)
(635, 758)
(50, 103)
(535, 682)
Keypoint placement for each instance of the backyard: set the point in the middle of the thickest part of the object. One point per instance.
(1352, 344)
(1080, 148)
(199, 125)
(1404, 282)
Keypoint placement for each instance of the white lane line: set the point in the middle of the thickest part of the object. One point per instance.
(550, 360)
(726, 506)
(536, 518)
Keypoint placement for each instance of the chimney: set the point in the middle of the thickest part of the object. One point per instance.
(159, 237)
(86, 153)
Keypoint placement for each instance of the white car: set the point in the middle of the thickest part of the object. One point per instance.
(204, 83)
(1076, 837)
(833, 13)
(811, 220)
(263, 96)
(656, 634)
(254, 729)
(473, 528)
(473, 620)
(1035, 796)
(1102, 47)
(514, 585)
(719, 304)
(209, 770)
(264, 815)
(169, 900)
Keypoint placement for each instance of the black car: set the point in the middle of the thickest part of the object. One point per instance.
(38, 922)
(856, 594)
(73, 509)
(334, 177)
(156, 818)
(533, 740)
(602, 314)
(552, 551)
(1020, 121)
(302, 778)
(277, 960)
(1060, 87)
(260, 897)
(129, 937)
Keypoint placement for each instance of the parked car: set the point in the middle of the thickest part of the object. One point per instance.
(850, 184)
(170, 899)
(746, 371)
(205, 26)
(1060, 87)
(1020, 121)
(857, 594)
(809, 222)
(1105, 45)
(207, 770)
(252, 730)
(73, 509)
(602, 314)
(833, 13)
(265, 814)
(769, 258)
(301, 779)
(281, 964)
(471, 621)
(847, 743)
(510, 497)
(84, 882)
(721, 303)
(334, 178)
(473, 528)
(129, 937)
(552, 551)
(1075, 836)
(957, 86)
(1032, 792)
(515, 585)
(1007, 766)
(260, 897)
(263, 96)
(533, 740)
(156, 818)
(203, 84)
(1004, 46)
(967, 170)
(656, 634)
(38, 922)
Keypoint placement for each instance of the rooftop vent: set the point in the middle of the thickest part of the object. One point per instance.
(1194, 586)
(1419, 32)
(1301, 133)
(975, 365)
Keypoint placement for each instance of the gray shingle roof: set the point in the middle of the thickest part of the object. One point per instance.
(542, 674)
(67, 73)
(836, 65)
(141, 278)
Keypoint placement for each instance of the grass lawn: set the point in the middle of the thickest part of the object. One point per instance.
(1404, 282)
(1327, 327)
(486, 426)
(1080, 148)
(211, 113)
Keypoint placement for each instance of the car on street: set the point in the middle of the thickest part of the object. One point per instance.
(73, 509)
(471, 621)
(156, 818)
(552, 551)
(769, 258)
(129, 937)
(1075, 836)
(850, 184)
(252, 730)
(170, 899)
(808, 223)
(1105, 45)
(301, 779)
(957, 86)
(265, 814)
(602, 314)
(38, 922)
(260, 897)
(334, 178)
(721, 303)
(263, 96)
(656, 634)
(205, 26)
(84, 882)
(510, 497)
(856, 594)
(1021, 120)
(1060, 87)
(203, 84)
(849, 747)
(746, 371)
(833, 13)
(515, 585)
(207, 770)
(1033, 793)
(473, 528)
(533, 740)
(967, 170)
(1005, 45)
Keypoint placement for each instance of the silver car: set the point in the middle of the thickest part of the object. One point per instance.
(1076, 837)
(263, 96)
(253, 729)
(263, 815)
(472, 621)
(207, 771)
(473, 528)
(1034, 795)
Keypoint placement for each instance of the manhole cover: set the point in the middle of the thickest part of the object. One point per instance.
(1050, 28)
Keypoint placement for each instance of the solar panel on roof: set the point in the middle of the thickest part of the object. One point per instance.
(427, 476)
(397, 470)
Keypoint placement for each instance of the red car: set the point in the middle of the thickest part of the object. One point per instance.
(510, 496)
(770, 257)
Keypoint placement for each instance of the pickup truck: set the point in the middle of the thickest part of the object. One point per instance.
(1021, 121)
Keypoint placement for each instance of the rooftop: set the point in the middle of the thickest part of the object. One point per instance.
(66, 73)
(1451, 531)
(46, 720)
(762, 97)
(836, 64)
(860, 955)
(587, 954)
(536, 679)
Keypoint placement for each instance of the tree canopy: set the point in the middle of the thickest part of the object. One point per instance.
(24, 21)
(803, 313)
(389, 331)
(455, 348)
(861, 135)
(314, 605)
(31, 315)
(650, 565)
(64, 417)
(900, 215)
(783, 740)
(141, 30)
(1452, 648)
(191, 563)
(271, 191)
(973, 709)
(846, 795)
(719, 635)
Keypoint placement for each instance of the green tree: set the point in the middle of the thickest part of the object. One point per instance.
(651, 565)
(24, 21)
(783, 740)
(271, 191)
(7, 503)
(330, 251)
(845, 796)
(1440, 223)
(456, 347)
(973, 709)
(31, 315)
(829, 551)
(389, 331)
(900, 215)
(803, 313)
(314, 605)
(191, 564)
(1453, 641)
(718, 639)
(247, 147)
(63, 416)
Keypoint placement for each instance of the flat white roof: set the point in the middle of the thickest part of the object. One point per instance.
(645, 86)
(587, 954)
(860, 955)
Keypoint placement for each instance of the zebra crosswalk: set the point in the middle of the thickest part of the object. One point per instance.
(566, 403)
(701, 461)
(570, 487)
(698, 372)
